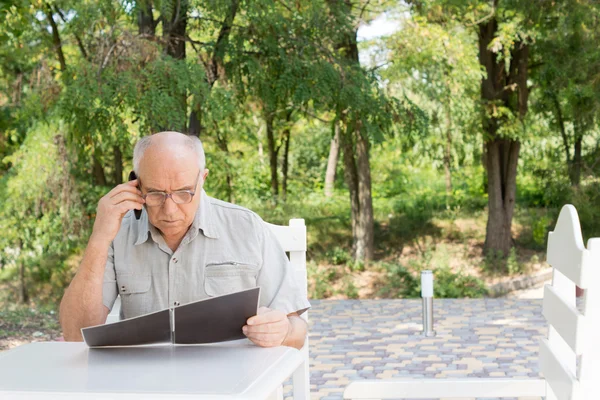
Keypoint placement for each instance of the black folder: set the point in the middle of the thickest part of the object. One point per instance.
(216, 319)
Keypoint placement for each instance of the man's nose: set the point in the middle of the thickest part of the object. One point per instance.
(169, 207)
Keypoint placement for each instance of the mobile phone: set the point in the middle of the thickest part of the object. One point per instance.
(136, 212)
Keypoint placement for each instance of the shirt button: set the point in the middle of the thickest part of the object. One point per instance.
(176, 303)
(174, 260)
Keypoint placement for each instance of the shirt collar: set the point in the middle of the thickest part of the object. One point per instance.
(202, 221)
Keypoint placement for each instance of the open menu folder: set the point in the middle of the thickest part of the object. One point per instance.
(216, 319)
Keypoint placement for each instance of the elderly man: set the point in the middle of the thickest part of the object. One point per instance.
(185, 246)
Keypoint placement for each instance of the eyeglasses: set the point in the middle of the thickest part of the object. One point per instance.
(157, 199)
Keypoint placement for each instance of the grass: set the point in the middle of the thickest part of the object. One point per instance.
(21, 324)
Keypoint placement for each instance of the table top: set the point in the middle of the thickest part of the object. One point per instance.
(227, 370)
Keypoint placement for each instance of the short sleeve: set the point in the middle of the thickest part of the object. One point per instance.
(109, 284)
(279, 290)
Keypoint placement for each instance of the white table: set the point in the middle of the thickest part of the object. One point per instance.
(58, 370)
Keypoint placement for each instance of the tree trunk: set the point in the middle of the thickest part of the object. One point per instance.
(509, 90)
(174, 28)
(195, 127)
(448, 153)
(332, 160)
(577, 164)
(174, 25)
(561, 126)
(502, 158)
(118, 165)
(214, 66)
(82, 49)
(286, 152)
(56, 41)
(98, 172)
(224, 146)
(146, 23)
(351, 178)
(365, 245)
(23, 295)
(359, 177)
(273, 152)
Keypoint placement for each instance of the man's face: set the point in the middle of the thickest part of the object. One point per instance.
(169, 171)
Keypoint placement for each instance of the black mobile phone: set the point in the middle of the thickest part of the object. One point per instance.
(136, 212)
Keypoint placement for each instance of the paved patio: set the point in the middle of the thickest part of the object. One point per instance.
(371, 339)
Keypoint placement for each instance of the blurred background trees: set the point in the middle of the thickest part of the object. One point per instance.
(409, 135)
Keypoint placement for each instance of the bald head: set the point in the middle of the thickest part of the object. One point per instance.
(168, 146)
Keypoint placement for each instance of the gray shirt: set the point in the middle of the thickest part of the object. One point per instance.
(227, 248)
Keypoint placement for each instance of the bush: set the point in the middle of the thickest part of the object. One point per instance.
(339, 256)
(448, 284)
(400, 282)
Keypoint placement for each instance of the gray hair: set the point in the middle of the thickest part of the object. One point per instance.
(191, 142)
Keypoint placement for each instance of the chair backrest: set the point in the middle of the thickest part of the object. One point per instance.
(292, 239)
(570, 357)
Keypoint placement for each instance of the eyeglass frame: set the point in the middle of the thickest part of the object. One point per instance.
(170, 195)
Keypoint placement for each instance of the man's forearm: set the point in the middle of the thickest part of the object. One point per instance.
(82, 305)
(297, 334)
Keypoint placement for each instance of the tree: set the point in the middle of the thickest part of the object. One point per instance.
(436, 65)
(365, 115)
(505, 31)
(568, 66)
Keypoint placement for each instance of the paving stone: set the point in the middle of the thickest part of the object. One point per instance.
(367, 339)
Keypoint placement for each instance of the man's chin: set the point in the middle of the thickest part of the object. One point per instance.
(170, 228)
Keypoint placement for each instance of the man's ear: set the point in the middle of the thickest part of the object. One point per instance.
(205, 175)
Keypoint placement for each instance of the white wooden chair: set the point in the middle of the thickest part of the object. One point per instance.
(570, 356)
(293, 241)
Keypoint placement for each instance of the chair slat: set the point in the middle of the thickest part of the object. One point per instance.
(566, 251)
(565, 318)
(291, 238)
(563, 383)
(444, 388)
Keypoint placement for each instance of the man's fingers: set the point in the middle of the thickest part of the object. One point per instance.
(129, 205)
(265, 328)
(124, 187)
(263, 341)
(268, 317)
(126, 196)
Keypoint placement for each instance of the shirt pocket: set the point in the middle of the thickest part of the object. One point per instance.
(228, 277)
(134, 290)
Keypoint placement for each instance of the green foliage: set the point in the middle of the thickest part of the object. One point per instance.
(512, 263)
(399, 283)
(65, 133)
(321, 281)
(350, 289)
(448, 284)
(42, 217)
(540, 228)
(587, 201)
(339, 256)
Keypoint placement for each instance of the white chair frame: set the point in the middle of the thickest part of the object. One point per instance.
(293, 241)
(570, 356)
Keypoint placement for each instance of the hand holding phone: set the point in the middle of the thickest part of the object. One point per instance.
(113, 207)
(133, 177)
